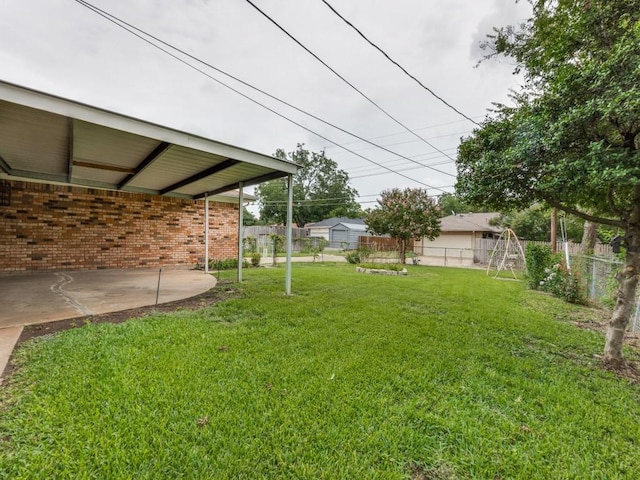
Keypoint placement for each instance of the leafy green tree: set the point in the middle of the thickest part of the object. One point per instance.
(572, 139)
(404, 215)
(248, 218)
(320, 190)
(451, 203)
(534, 223)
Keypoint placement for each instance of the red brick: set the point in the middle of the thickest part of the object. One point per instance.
(53, 227)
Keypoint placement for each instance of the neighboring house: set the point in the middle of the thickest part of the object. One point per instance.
(341, 232)
(322, 228)
(458, 240)
(345, 235)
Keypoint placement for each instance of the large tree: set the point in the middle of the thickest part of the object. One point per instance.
(320, 190)
(573, 137)
(404, 215)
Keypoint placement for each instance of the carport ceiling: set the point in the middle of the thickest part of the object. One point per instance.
(48, 138)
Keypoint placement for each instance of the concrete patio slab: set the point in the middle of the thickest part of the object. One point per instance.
(32, 298)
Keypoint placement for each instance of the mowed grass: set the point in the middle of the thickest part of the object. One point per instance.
(445, 373)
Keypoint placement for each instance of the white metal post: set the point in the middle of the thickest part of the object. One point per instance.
(240, 222)
(287, 282)
(206, 233)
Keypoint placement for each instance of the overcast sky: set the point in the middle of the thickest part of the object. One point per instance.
(63, 48)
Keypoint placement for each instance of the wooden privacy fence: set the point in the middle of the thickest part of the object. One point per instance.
(382, 243)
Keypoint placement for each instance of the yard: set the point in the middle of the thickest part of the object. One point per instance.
(445, 373)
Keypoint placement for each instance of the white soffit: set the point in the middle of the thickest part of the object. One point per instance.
(48, 138)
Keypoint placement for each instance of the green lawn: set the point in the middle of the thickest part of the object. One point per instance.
(445, 373)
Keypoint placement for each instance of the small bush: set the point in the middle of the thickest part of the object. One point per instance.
(539, 258)
(304, 244)
(226, 264)
(563, 283)
(250, 244)
(255, 259)
(359, 255)
(353, 257)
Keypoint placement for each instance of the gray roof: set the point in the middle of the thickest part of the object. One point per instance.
(358, 227)
(52, 139)
(469, 222)
(331, 222)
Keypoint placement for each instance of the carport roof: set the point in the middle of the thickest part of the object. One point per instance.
(53, 139)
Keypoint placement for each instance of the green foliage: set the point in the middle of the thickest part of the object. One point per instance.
(359, 255)
(447, 372)
(320, 190)
(277, 242)
(451, 202)
(319, 244)
(563, 283)
(304, 244)
(249, 244)
(539, 258)
(248, 218)
(534, 223)
(277, 245)
(255, 259)
(547, 271)
(226, 264)
(405, 214)
(572, 138)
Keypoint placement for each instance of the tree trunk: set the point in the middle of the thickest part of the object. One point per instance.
(589, 236)
(627, 282)
(402, 250)
(554, 230)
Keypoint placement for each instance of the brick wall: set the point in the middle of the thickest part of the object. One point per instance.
(52, 227)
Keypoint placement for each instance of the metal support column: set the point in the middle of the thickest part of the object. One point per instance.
(206, 234)
(240, 229)
(287, 282)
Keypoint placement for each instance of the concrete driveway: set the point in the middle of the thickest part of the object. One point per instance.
(30, 298)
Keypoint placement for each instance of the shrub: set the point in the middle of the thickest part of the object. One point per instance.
(249, 243)
(353, 257)
(255, 259)
(563, 283)
(304, 244)
(539, 258)
(226, 264)
(359, 255)
(319, 244)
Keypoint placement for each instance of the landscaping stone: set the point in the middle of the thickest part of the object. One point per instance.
(381, 271)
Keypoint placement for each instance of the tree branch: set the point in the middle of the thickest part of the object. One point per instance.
(586, 216)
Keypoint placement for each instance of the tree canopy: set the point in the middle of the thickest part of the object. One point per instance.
(320, 190)
(573, 137)
(404, 215)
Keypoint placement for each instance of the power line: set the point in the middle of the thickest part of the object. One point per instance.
(115, 20)
(399, 162)
(130, 28)
(404, 132)
(344, 79)
(397, 64)
(408, 142)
